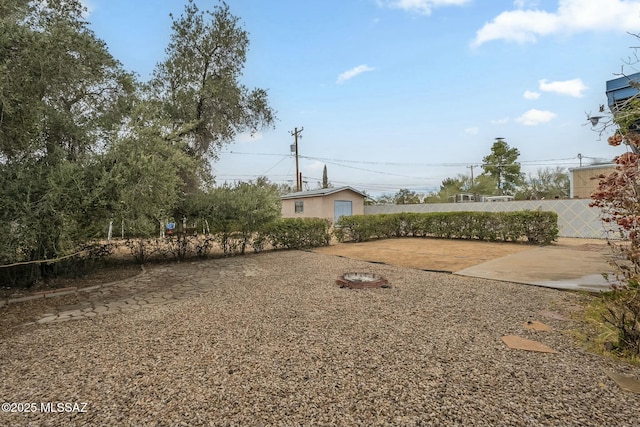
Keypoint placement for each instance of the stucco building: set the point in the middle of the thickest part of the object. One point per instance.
(329, 203)
(582, 179)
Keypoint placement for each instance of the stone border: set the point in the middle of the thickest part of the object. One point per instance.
(66, 291)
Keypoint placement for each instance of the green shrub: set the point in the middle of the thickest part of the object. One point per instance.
(296, 233)
(534, 226)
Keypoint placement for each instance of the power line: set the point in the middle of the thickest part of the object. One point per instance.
(540, 162)
(254, 154)
(363, 169)
(419, 182)
(279, 161)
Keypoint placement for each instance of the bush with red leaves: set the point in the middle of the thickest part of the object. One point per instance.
(618, 196)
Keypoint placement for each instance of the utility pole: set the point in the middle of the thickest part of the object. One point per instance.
(297, 133)
(471, 167)
(471, 189)
(500, 169)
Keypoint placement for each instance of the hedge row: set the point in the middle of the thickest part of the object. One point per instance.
(297, 233)
(284, 233)
(534, 226)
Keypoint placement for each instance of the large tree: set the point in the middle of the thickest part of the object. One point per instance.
(198, 84)
(502, 165)
(61, 91)
(62, 97)
(449, 188)
(82, 143)
(145, 173)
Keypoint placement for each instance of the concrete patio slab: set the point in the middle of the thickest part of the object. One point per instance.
(556, 266)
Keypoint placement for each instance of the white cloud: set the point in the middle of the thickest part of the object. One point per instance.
(535, 117)
(531, 95)
(315, 166)
(502, 121)
(421, 6)
(572, 16)
(573, 87)
(472, 131)
(349, 74)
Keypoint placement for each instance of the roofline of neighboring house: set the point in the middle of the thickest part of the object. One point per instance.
(598, 166)
(320, 192)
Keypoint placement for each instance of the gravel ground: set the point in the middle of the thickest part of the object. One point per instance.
(291, 348)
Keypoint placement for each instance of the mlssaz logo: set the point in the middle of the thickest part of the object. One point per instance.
(48, 407)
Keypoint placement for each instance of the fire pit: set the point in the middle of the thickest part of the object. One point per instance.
(362, 281)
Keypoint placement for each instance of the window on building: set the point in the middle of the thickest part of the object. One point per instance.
(299, 206)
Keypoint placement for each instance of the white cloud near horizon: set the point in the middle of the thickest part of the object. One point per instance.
(535, 117)
(572, 16)
(472, 131)
(573, 87)
(349, 74)
(423, 7)
(528, 94)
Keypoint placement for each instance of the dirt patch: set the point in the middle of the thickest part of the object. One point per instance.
(426, 254)
(443, 254)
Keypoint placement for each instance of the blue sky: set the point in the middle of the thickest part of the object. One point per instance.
(404, 93)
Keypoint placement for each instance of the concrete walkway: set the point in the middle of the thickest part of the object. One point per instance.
(573, 264)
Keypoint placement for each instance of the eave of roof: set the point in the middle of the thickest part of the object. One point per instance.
(320, 192)
(597, 166)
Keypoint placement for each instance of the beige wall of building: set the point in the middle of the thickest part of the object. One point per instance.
(322, 206)
(581, 183)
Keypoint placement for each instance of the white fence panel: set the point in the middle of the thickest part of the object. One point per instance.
(575, 217)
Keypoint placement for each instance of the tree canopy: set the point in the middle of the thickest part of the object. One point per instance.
(405, 197)
(502, 165)
(83, 143)
(62, 95)
(62, 98)
(197, 84)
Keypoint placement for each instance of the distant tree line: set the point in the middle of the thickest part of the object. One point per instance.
(501, 176)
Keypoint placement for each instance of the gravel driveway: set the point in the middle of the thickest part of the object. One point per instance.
(283, 345)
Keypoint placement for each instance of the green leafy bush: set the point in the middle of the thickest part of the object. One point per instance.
(534, 226)
(296, 233)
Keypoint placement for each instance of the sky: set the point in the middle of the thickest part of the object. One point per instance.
(397, 94)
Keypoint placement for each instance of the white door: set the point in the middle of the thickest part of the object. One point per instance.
(341, 208)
